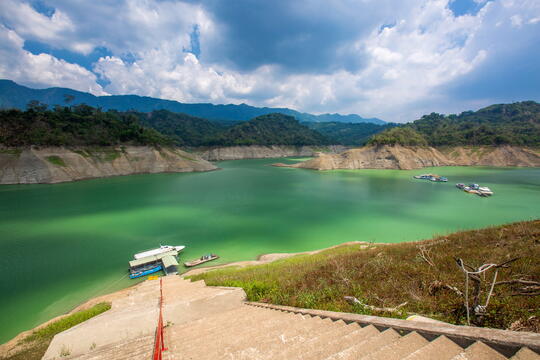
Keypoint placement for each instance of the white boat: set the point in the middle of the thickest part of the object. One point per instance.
(162, 249)
(485, 190)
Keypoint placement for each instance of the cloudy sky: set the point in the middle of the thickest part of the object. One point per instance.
(393, 59)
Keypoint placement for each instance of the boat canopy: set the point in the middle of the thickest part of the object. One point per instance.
(151, 259)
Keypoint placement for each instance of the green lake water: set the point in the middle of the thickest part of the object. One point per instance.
(62, 244)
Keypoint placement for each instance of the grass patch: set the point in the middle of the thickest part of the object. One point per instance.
(82, 153)
(104, 153)
(385, 276)
(15, 152)
(56, 160)
(35, 345)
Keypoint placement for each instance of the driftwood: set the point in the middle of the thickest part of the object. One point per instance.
(354, 301)
(473, 274)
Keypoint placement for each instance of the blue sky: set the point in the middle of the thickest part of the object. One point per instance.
(391, 59)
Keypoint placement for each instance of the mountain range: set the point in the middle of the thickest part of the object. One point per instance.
(13, 95)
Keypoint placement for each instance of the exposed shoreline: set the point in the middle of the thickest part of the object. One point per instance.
(50, 165)
(407, 157)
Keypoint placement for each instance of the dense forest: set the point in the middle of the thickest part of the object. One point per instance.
(271, 129)
(185, 130)
(78, 125)
(82, 125)
(513, 124)
(348, 133)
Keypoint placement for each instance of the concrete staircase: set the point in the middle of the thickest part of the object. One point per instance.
(216, 323)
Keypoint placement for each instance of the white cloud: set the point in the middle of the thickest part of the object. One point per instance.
(404, 68)
(41, 70)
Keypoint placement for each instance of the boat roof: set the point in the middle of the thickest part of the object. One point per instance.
(169, 260)
(152, 258)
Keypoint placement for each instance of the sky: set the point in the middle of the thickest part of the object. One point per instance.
(391, 59)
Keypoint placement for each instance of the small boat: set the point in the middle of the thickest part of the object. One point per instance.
(144, 271)
(423, 176)
(484, 191)
(201, 260)
(439, 179)
(460, 186)
(162, 249)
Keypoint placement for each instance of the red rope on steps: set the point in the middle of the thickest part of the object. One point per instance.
(159, 343)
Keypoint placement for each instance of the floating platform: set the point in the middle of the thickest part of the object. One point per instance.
(166, 260)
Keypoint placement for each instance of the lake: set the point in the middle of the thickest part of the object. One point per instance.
(65, 243)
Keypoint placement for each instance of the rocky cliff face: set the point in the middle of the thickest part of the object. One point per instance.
(261, 152)
(55, 164)
(400, 157)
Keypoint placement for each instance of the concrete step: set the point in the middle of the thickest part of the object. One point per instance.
(137, 349)
(190, 337)
(441, 348)
(229, 338)
(333, 330)
(333, 346)
(204, 307)
(479, 351)
(525, 354)
(270, 344)
(399, 349)
(367, 346)
(219, 321)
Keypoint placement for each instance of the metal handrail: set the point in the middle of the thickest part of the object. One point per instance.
(159, 343)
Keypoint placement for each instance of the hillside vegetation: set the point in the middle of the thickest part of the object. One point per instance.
(79, 125)
(271, 129)
(34, 346)
(83, 125)
(348, 133)
(183, 129)
(502, 124)
(423, 275)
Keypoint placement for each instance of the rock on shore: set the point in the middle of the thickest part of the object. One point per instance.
(401, 157)
(261, 151)
(36, 165)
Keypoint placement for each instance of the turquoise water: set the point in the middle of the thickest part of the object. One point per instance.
(62, 244)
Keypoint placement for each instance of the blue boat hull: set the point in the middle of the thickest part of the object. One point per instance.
(144, 273)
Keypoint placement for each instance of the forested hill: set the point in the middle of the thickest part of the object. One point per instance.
(271, 129)
(82, 125)
(13, 95)
(348, 134)
(512, 124)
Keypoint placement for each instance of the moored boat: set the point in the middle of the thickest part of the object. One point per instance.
(144, 271)
(201, 260)
(162, 249)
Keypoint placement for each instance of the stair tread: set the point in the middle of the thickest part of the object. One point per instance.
(479, 351)
(441, 348)
(399, 349)
(525, 354)
(366, 346)
(338, 344)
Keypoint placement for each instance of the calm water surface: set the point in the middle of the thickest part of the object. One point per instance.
(62, 244)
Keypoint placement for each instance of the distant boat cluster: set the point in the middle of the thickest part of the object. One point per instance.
(483, 191)
(431, 177)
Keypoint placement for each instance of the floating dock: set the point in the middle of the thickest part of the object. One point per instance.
(167, 261)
